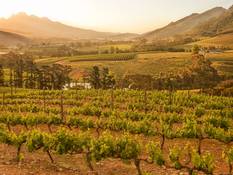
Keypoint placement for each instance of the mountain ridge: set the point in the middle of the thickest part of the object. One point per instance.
(184, 25)
(212, 22)
(42, 27)
(222, 24)
(12, 39)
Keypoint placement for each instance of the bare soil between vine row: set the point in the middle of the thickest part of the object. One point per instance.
(38, 163)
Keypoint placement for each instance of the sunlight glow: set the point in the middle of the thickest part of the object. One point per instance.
(111, 15)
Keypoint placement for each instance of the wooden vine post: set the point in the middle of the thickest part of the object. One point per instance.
(112, 99)
(76, 87)
(3, 99)
(11, 82)
(11, 89)
(170, 94)
(44, 103)
(62, 106)
(15, 89)
(145, 101)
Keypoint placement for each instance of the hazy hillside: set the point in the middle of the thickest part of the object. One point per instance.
(215, 21)
(185, 25)
(11, 39)
(221, 40)
(220, 25)
(35, 27)
(124, 36)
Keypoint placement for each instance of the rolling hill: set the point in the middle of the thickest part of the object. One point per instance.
(216, 21)
(220, 41)
(221, 25)
(124, 37)
(12, 39)
(44, 28)
(186, 25)
(35, 27)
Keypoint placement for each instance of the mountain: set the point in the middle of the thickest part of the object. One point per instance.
(35, 27)
(184, 26)
(12, 39)
(124, 36)
(210, 23)
(220, 40)
(220, 25)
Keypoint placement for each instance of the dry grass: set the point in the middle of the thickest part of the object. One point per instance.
(146, 63)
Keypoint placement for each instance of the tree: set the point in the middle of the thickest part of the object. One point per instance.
(195, 49)
(23, 72)
(53, 77)
(118, 50)
(138, 81)
(60, 75)
(112, 49)
(10, 61)
(31, 70)
(18, 70)
(202, 73)
(107, 80)
(94, 77)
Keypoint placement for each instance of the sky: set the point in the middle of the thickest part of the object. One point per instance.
(134, 16)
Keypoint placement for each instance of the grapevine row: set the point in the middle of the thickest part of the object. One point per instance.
(107, 146)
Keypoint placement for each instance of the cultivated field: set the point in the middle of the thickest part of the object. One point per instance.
(109, 132)
(143, 63)
(224, 40)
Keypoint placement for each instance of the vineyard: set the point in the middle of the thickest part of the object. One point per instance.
(151, 132)
(105, 57)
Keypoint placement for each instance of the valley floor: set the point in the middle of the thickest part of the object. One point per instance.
(148, 63)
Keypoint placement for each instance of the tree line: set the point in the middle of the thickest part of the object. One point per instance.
(199, 74)
(20, 71)
(101, 78)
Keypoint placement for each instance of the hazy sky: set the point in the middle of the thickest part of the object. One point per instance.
(111, 15)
